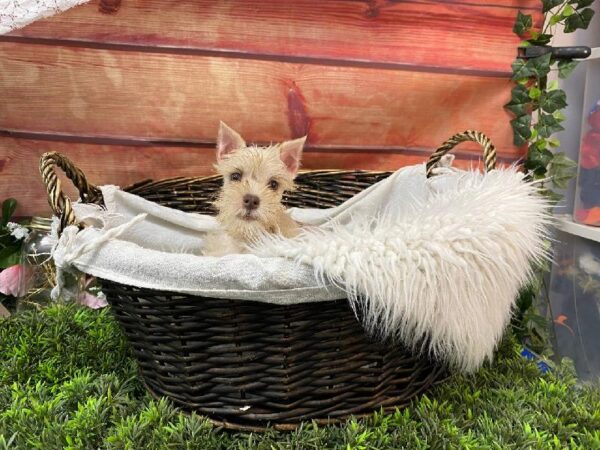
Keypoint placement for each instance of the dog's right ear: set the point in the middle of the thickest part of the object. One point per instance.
(228, 141)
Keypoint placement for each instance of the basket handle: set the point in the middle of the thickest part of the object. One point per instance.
(59, 202)
(489, 151)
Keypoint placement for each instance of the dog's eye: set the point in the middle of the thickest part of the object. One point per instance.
(235, 176)
(273, 184)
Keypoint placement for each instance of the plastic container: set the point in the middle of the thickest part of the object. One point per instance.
(575, 298)
(587, 194)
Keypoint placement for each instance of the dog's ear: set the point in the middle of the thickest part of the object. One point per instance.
(291, 154)
(228, 141)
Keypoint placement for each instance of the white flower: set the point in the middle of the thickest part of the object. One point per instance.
(18, 231)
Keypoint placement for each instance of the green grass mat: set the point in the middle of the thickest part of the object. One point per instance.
(67, 381)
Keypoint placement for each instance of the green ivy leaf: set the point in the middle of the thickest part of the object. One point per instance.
(561, 181)
(521, 129)
(555, 19)
(562, 160)
(517, 110)
(540, 66)
(547, 5)
(9, 207)
(521, 69)
(561, 169)
(552, 86)
(523, 23)
(553, 142)
(541, 39)
(545, 157)
(547, 125)
(568, 11)
(534, 93)
(9, 256)
(581, 3)
(537, 160)
(553, 100)
(565, 67)
(519, 94)
(558, 115)
(519, 101)
(579, 20)
(534, 135)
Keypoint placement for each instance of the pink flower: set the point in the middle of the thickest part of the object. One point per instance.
(91, 301)
(16, 280)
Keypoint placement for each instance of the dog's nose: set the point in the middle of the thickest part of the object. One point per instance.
(251, 202)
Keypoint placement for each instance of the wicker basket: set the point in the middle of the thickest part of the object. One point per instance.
(249, 364)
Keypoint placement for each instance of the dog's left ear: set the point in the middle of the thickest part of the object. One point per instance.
(291, 154)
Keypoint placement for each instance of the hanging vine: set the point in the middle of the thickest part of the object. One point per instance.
(537, 105)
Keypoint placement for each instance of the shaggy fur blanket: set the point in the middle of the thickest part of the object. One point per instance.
(440, 261)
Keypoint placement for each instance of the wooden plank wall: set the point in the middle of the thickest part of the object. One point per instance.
(137, 91)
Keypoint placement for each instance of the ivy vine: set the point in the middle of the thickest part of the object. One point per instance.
(537, 104)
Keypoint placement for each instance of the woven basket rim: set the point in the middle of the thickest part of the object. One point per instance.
(301, 172)
(213, 177)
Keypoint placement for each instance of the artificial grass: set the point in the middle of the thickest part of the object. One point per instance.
(67, 381)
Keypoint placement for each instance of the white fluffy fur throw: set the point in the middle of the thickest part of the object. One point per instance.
(447, 265)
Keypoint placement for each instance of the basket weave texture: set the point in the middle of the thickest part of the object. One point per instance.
(249, 364)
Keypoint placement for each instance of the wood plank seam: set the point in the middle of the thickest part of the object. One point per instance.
(210, 145)
(274, 57)
(476, 4)
(178, 98)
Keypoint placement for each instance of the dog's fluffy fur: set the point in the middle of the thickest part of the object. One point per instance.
(263, 172)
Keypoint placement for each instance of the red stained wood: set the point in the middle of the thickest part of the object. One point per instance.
(124, 165)
(109, 6)
(102, 164)
(182, 98)
(446, 35)
(298, 119)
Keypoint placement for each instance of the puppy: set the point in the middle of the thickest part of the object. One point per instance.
(254, 180)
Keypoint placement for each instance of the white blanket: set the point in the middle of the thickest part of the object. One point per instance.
(442, 258)
(137, 242)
